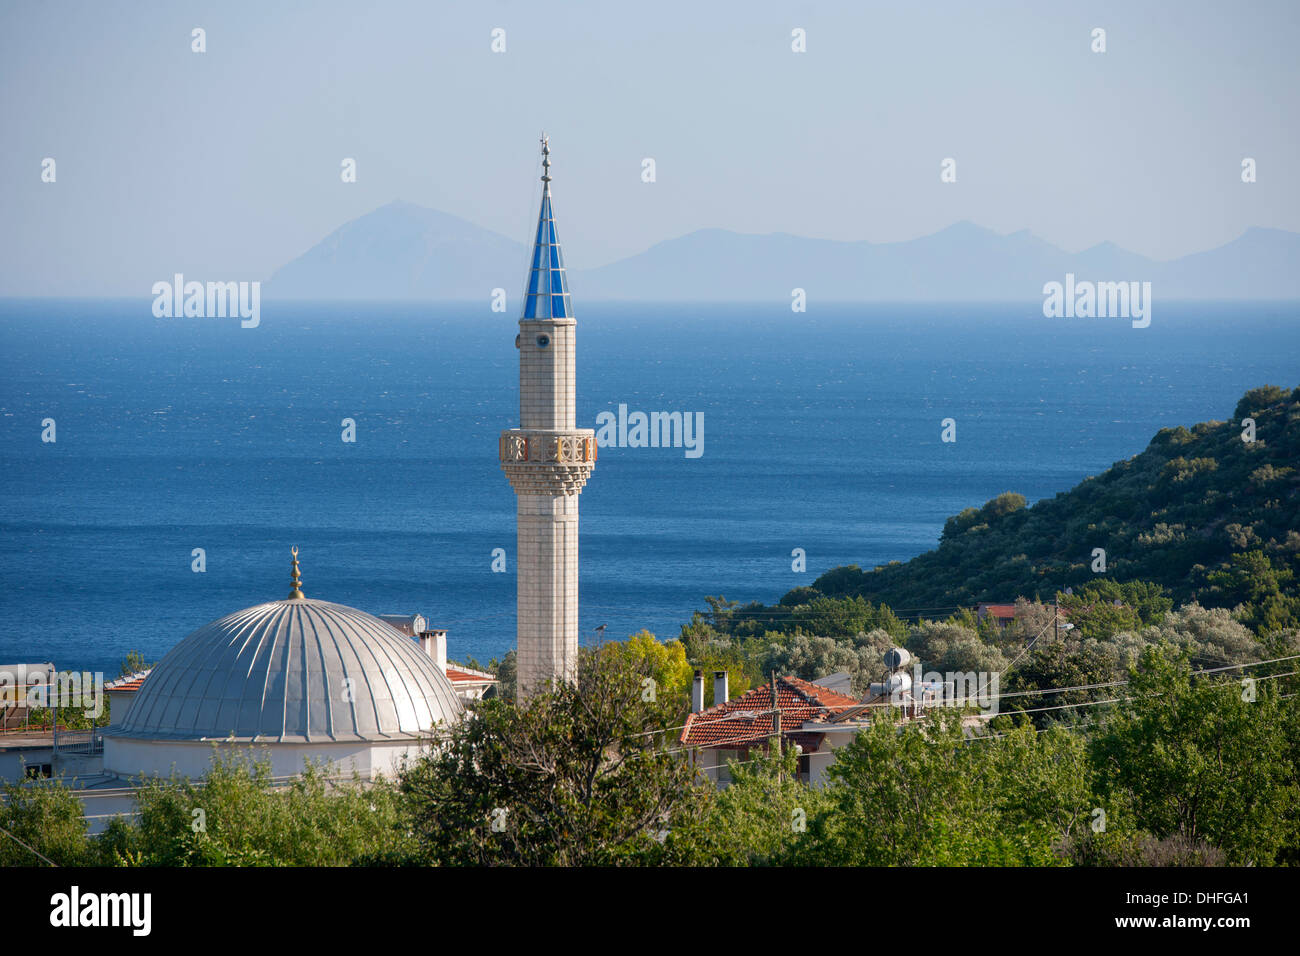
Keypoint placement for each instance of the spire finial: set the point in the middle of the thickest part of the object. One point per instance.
(546, 294)
(296, 594)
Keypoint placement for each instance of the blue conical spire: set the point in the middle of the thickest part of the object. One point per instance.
(547, 293)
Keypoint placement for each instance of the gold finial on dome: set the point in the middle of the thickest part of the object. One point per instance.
(296, 594)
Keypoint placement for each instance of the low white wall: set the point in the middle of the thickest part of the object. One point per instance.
(14, 763)
(129, 758)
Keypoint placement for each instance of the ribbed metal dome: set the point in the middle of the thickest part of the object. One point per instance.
(293, 671)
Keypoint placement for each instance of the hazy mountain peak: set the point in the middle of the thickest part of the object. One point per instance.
(403, 251)
(406, 251)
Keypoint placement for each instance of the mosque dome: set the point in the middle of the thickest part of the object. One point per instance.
(293, 671)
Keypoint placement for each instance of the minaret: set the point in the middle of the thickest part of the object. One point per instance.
(547, 461)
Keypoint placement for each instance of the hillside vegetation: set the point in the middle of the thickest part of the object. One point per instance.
(1201, 558)
(1202, 513)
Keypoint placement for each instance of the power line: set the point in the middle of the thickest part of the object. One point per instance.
(28, 848)
(997, 736)
(1056, 614)
(1119, 683)
(750, 714)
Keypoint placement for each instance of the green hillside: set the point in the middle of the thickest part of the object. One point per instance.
(1201, 512)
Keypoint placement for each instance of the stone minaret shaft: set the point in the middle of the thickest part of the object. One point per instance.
(547, 461)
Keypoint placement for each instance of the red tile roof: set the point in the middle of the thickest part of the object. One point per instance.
(128, 684)
(459, 675)
(1002, 611)
(747, 719)
(1007, 612)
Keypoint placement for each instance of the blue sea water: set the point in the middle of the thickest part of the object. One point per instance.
(822, 432)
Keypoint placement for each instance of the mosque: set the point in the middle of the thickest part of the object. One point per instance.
(295, 680)
(304, 679)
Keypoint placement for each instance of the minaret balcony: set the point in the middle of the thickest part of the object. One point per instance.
(551, 447)
(545, 462)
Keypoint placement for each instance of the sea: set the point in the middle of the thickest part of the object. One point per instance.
(822, 437)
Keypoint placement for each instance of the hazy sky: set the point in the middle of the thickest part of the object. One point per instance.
(225, 164)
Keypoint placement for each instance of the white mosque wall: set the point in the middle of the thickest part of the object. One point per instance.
(129, 758)
(119, 705)
(15, 763)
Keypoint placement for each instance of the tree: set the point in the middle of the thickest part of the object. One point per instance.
(1106, 608)
(951, 648)
(46, 816)
(1258, 399)
(579, 775)
(1197, 759)
(1072, 661)
(1211, 636)
(1251, 581)
(923, 795)
(760, 819)
(1004, 504)
(237, 816)
(1033, 619)
(812, 657)
(664, 663)
(132, 664)
(507, 672)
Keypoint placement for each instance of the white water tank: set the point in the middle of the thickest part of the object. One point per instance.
(897, 657)
(897, 683)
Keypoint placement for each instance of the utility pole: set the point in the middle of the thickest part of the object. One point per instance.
(776, 722)
(54, 710)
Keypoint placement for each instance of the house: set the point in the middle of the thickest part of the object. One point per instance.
(468, 683)
(1002, 614)
(741, 728)
(46, 748)
(817, 717)
(121, 693)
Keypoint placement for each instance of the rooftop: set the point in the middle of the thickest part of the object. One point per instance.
(129, 683)
(459, 674)
(748, 719)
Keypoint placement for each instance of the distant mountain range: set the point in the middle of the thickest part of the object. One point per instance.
(405, 251)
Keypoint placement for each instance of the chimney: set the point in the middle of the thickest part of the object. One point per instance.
(434, 643)
(720, 695)
(697, 693)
